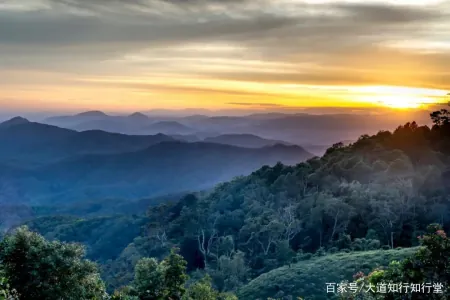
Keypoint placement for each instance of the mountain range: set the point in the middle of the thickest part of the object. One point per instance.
(243, 140)
(47, 164)
(316, 132)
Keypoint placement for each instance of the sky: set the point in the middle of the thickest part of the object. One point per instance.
(134, 55)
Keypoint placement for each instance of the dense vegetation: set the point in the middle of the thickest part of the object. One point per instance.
(424, 275)
(379, 192)
(351, 205)
(308, 278)
(105, 237)
(32, 267)
(38, 269)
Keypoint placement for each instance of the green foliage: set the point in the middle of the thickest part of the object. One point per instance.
(106, 237)
(432, 260)
(308, 278)
(175, 274)
(150, 279)
(203, 290)
(125, 293)
(6, 293)
(230, 272)
(39, 269)
(429, 265)
(165, 280)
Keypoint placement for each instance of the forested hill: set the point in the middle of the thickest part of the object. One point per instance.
(42, 164)
(25, 143)
(379, 192)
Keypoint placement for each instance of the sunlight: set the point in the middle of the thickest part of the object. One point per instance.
(399, 97)
(397, 101)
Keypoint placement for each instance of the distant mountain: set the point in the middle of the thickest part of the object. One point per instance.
(304, 128)
(168, 127)
(97, 120)
(73, 120)
(90, 114)
(36, 142)
(178, 113)
(163, 168)
(244, 140)
(138, 116)
(190, 138)
(136, 123)
(294, 128)
(14, 121)
(110, 124)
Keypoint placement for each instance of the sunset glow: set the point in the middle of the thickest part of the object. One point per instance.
(223, 55)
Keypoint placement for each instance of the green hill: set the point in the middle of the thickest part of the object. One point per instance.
(308, 278)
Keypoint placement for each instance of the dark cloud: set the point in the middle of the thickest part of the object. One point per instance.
(159, 24)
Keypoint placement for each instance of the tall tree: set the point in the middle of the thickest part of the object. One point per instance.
(39, 269)
(175, 275)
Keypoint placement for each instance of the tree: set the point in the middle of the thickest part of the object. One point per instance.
(161, 281)
(440, 117)
(203, 290)
(39, 269)
(429, 265)
(149, 280)
(340, 213)
(175, 274)
(231, 271)
(125, 293)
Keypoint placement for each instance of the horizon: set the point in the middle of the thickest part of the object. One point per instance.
(41, 116)
(237, 56)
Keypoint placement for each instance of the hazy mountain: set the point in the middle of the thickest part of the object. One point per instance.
(244, 140)
(137, 116)
(163, 168)
(14, 121)
(178, 113)
(321, 131)
(73, 120)
(167, 127)
(97, 120)
(36, 142)
(190, 138)
(136, 123)
(92, 114)
(303, 128)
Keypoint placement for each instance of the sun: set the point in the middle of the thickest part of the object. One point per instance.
(398, 97)
(400, 101)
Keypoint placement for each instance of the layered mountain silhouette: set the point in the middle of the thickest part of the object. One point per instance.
(244, 140)
(319, 131)
(167, 127)
(40, 143)
(49, 164)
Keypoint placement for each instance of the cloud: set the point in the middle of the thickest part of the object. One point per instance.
(260, 104)
(268, 41)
